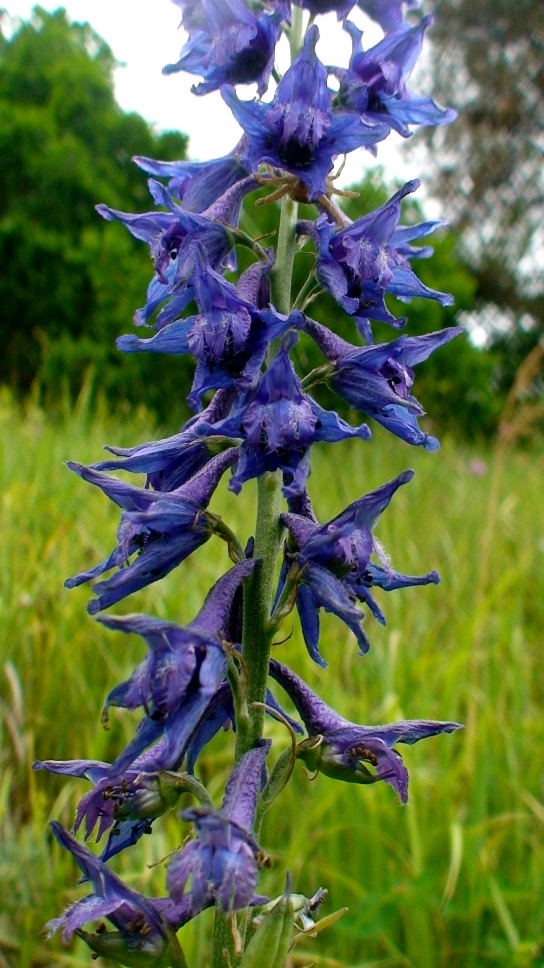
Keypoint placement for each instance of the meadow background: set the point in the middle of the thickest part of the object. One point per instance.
(455, 879)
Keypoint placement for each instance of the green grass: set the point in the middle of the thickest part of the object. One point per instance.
(453, 880)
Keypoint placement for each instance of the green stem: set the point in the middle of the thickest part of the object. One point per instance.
(259, 588)
(257, 602)
(295, 34)
(285, 256)
(223, 941)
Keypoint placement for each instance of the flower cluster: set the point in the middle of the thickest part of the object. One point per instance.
(253, 417)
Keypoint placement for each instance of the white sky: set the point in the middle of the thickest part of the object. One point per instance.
(144, 36)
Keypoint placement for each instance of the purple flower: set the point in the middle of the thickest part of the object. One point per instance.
(374, 85)
(224, 858)
(171, 462)
(358, 265)
(162, 529)
(142, 937)
(334, 567)
(170, 236)
(228, 44)
(198, 184)
(178, 680)
(175, 653)
(299, 132)
(388, 13)
(278, 422)
(228, 337)
(378, 379)
(346, 751)
(126, 806)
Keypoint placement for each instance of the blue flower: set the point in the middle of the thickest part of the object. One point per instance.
(230, 334)
(171, 462)
(170, 236)
(224, 858)
(388, 13)
(198, 184)
(378, 379)
(181, 685)
(175, 653)
(299, 132)
(374, 85)
(162, 529)
(228, 44)
(347, 751)
(358, 265)
(277, 423)
(142, 937)
(334, 568)
(179, 678)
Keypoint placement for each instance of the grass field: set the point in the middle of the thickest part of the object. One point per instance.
(453, 880)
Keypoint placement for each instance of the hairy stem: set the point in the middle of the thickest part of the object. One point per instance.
(259, 587)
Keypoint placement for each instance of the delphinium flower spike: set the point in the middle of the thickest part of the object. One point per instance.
(256, 417)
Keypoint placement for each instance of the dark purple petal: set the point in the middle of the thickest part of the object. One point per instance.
(130, 912)
(197, 184)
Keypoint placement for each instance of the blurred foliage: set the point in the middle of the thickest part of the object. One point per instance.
(69, 283)
(486, 60)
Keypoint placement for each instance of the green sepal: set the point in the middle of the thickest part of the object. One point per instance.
(157, 793)
(218, 527)
(279, 778)
(288, 597)
(269, 946)
(172, 785)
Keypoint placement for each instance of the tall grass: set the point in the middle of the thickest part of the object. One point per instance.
(456, 878)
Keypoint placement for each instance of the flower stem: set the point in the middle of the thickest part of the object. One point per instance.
(285, 256)
(257, 602)
(258, 589)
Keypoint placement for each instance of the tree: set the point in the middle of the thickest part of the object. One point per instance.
(487, 60)
(69, 281)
